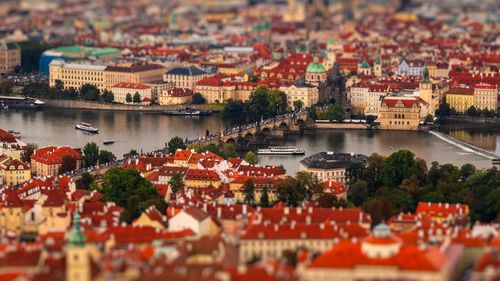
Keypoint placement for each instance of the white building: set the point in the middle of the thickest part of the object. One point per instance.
(121, 90)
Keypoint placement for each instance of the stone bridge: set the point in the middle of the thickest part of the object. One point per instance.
(270, 128)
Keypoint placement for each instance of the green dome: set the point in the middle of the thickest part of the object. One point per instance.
(315, 67)
(330, 41)
(76, 238)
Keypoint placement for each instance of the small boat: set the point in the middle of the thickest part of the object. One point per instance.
(281, 150)
(108, 142)
(183, 112)
(14, 132)
(87, 127)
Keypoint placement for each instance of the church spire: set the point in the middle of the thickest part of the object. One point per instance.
(76, 238)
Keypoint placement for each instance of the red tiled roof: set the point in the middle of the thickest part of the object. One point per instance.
(392, 101)
(441, 209)
(53, 155)
(335, 187)
(204, 175)
(7, 137)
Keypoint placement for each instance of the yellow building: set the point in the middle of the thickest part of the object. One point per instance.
(399, 113)
(121, 90)
(11, 214)
(197, 178)
(13, 171)
(75, 75)
(460, 98)
(132, 73)
(307, 94)
(175, 96)
(184, 77)
(486, 96)
(10, 57)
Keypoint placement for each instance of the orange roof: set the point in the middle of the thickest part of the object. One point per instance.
(335, 187)
(53, 155)
(441, 209)
(136, 86)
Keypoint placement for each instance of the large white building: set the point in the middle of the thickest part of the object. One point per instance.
(121, 90)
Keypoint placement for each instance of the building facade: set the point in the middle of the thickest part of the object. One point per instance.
(184, 77)
(10, 57)
(331, 165)
(75, 75)
(485, 97)
(460, 98)
(306, 93)
(121, 90)
(399, 113)
(48, 160)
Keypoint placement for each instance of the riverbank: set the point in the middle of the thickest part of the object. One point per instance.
(89, 105)
(470, 119)
(342, 126)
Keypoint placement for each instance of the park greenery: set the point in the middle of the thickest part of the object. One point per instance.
(393, 184)
(92, 155)
(87, 92)
(263, 103)
(128, 189)
(198, 99)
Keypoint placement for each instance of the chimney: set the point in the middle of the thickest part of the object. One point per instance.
(292, 225)
(310, 209)
(286, 211)
(321, 226)
(244, 209)
(219, 212)
(308, 219)
(276, 227)
(205, 207)
(299, 210)
(447, 205)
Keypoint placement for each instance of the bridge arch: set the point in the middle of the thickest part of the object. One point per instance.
(301, 123)
(231, 140)
(283, 126)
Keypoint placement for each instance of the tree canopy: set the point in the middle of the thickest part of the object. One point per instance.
(129, 190)
(175, 143)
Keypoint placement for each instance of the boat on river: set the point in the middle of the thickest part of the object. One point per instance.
(87, 127)
(281, 150)
(187, 112)
(108, 142)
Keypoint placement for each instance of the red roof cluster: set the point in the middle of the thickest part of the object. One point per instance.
(53, 155)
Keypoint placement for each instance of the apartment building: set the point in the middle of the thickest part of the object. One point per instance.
(485, 96)
(132, 73)
(399, 113)
(185, 77)
(10, 57)
(121, 90)
(48, 160)
(75, 75)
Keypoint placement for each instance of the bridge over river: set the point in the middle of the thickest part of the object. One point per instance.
(275, 127)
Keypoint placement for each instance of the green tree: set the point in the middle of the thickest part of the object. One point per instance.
(429, 119)
(128, 189)
(443, 110)
(59, 85)
(312, 186)
(175, 143)
(128, 98)
(251, 158)
(28, 151)
(466, 171)
(335, 112)
(234, 111)
(290, 192)
(328, 200)
(132, 153)
(358, 192)
(89, 92)
(297, 105)
(176, 182)
(198, 99)
(106, 157)
(108, 96)
(398, 166)
(136, 98)
(85, 181)
(313, 113)
(472, 111)
(249, 192)
(6, 88)
(68, 164)
(264, 198)
(229, 150)
(90, 154)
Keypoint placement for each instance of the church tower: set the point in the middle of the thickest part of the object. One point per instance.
(425, 90)
(377, 67)
(78, 266)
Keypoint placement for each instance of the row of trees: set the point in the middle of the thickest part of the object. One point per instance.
(445, 110)
(92, 155)
(86, 92)
(389, 185)
(263, 103)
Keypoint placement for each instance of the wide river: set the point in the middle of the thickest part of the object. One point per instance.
(146, 131)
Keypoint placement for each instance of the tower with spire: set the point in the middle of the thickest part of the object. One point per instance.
(78, 264)
(377, 67)
(425, 91)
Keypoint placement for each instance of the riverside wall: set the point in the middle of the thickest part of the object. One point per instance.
(329, 126)
(80, 104)
(471, 119)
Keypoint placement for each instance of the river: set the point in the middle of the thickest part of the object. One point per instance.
(147, 131)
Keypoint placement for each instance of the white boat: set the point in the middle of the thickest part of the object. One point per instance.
(281, 150)
(87, 127)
